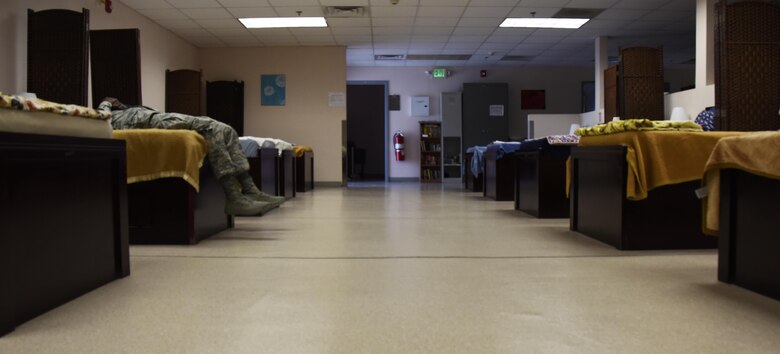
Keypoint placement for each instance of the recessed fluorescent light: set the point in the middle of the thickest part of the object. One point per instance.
(533, 22)
(282, 22)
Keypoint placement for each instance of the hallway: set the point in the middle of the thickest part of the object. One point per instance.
(408, 268)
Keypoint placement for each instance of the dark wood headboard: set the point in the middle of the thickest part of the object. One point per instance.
(182, 91)
(57, 50)
(225, 103)
(115, 56)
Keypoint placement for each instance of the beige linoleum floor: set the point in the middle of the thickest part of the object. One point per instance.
(407, 269)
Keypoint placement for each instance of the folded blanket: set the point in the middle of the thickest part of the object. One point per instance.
(300, 149)
(757, 153)
(563, 139)
(160, 153)
(36, 104)
(476, 160)
(659, 158)
(265, 142)
(638, 125)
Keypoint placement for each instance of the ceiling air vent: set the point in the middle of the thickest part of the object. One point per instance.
(570, 12)
(344, 11)
(390, 57)
(438, 57)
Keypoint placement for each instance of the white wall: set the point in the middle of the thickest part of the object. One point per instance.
(160, 49)
(551, 124)
(694, 101)
(562, 86)
(306, 118)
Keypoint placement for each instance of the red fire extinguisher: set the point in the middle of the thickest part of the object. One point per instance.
(398, 142)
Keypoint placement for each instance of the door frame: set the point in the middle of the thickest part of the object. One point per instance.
(385, 84)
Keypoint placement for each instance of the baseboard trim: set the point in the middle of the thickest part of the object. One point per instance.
(404, 179)
(327, 184)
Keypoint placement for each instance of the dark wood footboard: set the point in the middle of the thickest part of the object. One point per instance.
(540, 184)
(669, 218)
(304, 172)
(748, 242)
(63, 221)
(286, 178)
(499, 176)
(170, 211)
(264, 170)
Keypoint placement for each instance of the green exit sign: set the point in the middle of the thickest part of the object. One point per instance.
(439, 72)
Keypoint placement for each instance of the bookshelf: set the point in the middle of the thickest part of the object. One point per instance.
(430, 152)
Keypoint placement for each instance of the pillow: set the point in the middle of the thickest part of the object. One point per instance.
(706, 119)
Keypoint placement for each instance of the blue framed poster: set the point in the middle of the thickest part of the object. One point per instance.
(273, 90)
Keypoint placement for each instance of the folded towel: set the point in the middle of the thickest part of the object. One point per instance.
(629, 125)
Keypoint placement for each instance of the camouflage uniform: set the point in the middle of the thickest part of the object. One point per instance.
(224, 152)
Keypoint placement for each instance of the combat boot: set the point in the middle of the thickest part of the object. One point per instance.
(238, 204)
(252, 192)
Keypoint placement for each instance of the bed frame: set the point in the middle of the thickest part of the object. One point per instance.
(170, 211)
(669, 218)
(304, 172)
(748, 242)
(499, 176)
(540, 183)
(286, 163)
(474, 184)
(264, 170)
(63, 221)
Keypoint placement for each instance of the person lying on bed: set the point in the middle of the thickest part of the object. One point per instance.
(224, 153)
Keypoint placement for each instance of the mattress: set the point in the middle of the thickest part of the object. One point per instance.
(46, 123)
(250, 145)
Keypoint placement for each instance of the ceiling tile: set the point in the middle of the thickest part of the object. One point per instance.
(194, 4)
(360, 63)
(163, 14)
(221, 23)
(424, 51)
(461, 45)
(442, 2)
(440, 11)
(147, 4)
(352, 38)
(324, 31)
(670, 15)
(458, 51)
(480, 22)
(621, 14)
(179, 23)
(381, 31)
(640, 4)
(473, 30)
(264, 32)
(540, 11)
(394, 11)
(293, 2)
(591, 4)
(491, 11)
(348, 22)
(513, 31)
(241, 12)
(432, 31)
(244, 3)
(192, 32)
(391, 38)
(426, 46)
(543, 3)
(344, 2)
(292, 11)
(429, 39)
(510, 3)
(317, 40)
(436, 21)
(230, 32)
(478, 39)
(276, 40)
(606, 24)
(392, 21)
(205, 14)
(505, 39)
(243, 40)
(351, 30)
(357, 53)
(497, 46)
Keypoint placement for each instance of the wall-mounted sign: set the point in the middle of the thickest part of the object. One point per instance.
(496, 110)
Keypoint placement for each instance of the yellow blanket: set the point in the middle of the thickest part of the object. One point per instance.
(298, 150)
(159, 153)
(757, 153)
(633, 125)
(659, 158)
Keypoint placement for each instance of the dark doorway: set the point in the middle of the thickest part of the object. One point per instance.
(365, 131)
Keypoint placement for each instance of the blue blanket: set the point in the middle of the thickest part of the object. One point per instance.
(476, 160)
(502, 148)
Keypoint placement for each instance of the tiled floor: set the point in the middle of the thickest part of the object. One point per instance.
(406, 269)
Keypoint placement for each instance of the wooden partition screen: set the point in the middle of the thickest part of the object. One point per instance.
(182, 91)
(641, 83)
(225, 103)
(747, 65)
(611, 108)
(115, 56)
(57, 49)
